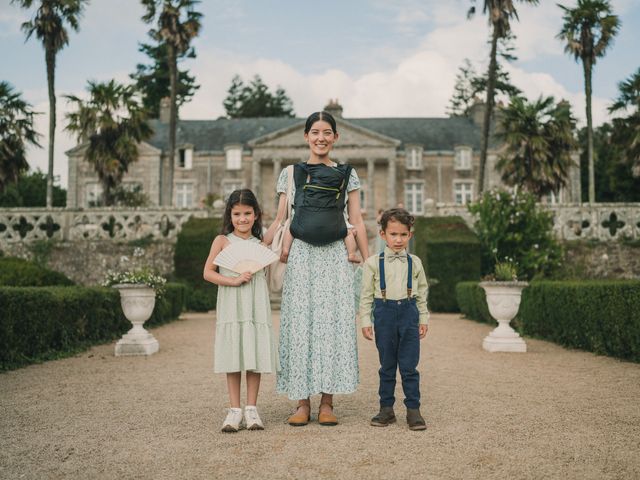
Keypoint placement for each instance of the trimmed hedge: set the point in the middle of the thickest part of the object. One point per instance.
(450, 252)
(17, 272)
(41, 323)
(601, 316)
(472, 302)
(192, 249)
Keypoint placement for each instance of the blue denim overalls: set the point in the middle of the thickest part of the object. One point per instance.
(398, 342)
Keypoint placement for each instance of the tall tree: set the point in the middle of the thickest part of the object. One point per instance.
(113, 122)
(539, 138)
(16, 132)
(48, 24)
(30, 190)
(255, 100)
(588, 31)
(499, 13)
(626, 132)
(153, 80)
(177, 23)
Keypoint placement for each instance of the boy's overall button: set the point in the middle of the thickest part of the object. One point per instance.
(399, 302)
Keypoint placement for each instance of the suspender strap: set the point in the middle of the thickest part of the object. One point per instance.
(383, 284)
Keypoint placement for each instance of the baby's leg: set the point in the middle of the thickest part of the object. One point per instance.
(286, 245)
(350, 242)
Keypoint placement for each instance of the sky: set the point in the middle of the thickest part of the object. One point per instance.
(379, 58)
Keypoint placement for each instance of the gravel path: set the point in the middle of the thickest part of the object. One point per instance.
(549, 413)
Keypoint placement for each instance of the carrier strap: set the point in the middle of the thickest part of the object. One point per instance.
(383, 284)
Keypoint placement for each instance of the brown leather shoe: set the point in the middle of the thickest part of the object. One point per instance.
(327, 419)
(301, 417)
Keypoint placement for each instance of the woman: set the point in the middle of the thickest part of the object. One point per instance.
(318, 352)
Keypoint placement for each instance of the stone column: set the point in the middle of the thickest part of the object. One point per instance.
(277, 167)
(391, 183)
(256, 177)
(439, 178)
(371, 168)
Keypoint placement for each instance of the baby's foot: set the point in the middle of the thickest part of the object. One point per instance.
(353, 258)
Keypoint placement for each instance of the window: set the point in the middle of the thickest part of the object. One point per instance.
(414, 158)
(234, 158)
(363, 194)
(463, 158)
(414, 197)
(229, 186)
(463, 192)
(93, 194)
(185, 158)
(184, 195)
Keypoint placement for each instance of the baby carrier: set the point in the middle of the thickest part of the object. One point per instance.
(319, 202)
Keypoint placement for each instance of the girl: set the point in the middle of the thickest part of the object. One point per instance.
(318, 353)
(244, 338)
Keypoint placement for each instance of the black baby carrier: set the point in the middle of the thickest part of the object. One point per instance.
(319, 202)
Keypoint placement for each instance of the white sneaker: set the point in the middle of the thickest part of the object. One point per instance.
(232, 423)
(252, 419)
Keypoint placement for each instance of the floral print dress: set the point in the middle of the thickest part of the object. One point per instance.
(318, 352)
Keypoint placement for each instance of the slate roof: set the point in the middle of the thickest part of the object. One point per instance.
(213, 135)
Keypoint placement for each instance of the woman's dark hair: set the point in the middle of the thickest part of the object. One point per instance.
(242, 197)
(318, 116)
(397, 215)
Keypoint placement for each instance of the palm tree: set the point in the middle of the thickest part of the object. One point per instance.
(626, 131)
(113, 122)
(539, 138)
(48, 24)
(500, 13)
(588, 30)
(16, 131)
(176, 32)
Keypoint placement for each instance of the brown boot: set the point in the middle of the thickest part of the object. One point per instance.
(384, 418)
(415, 420)
(302, 415)
(327, 419)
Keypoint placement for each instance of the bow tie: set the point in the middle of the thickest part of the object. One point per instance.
(397, 256)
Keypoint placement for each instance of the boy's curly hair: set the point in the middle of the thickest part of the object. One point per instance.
(397, 215)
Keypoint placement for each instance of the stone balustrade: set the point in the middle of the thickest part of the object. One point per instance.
(31, 224)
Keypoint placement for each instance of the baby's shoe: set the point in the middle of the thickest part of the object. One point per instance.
(232, 423)
(252, 419)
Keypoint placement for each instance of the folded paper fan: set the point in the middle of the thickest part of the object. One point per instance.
(245, 257)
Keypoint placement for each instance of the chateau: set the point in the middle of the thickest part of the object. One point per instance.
(409, 160)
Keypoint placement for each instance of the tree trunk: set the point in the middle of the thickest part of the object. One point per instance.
(173, 116)
(50, 58)
(587, 90)
(486, 124)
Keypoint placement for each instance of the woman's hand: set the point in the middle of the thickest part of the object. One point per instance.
(242, 278)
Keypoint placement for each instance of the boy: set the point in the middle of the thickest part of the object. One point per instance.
(395, 283)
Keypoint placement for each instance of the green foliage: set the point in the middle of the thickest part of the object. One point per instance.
(602, 316)
(626, 131)
(450, 253)
(142, 276)
(506, 271)
(255, 100)
(30, 190)
(512, 225)
(123, 196)
(192, 249)
(38, 324)
(16, 272)
(41, 251)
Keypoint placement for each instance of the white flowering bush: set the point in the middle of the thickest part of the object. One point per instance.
(137, 277)
(511, 226)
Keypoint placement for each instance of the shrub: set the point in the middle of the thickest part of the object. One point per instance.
(511, 225)
(17, 272)
(38, 324)
(603, 316)
(450, 253)
(192, 248)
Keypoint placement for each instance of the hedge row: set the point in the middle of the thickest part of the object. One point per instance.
(599, 316)
(450, 252)
(17, 272)
(192, 249)
(41, 323)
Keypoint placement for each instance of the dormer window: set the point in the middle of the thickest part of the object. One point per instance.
(463, 158)
(234, 157)
(185, 158)
(414, 158)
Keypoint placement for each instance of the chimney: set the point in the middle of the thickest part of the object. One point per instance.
(476, 112)
(334, 108)
(165, 106)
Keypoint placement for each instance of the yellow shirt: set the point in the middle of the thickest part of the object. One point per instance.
(395, 275)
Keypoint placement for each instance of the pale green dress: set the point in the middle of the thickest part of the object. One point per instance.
(244, 332)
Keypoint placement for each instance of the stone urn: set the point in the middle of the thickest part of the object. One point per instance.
(137, 302)
(503, 300)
